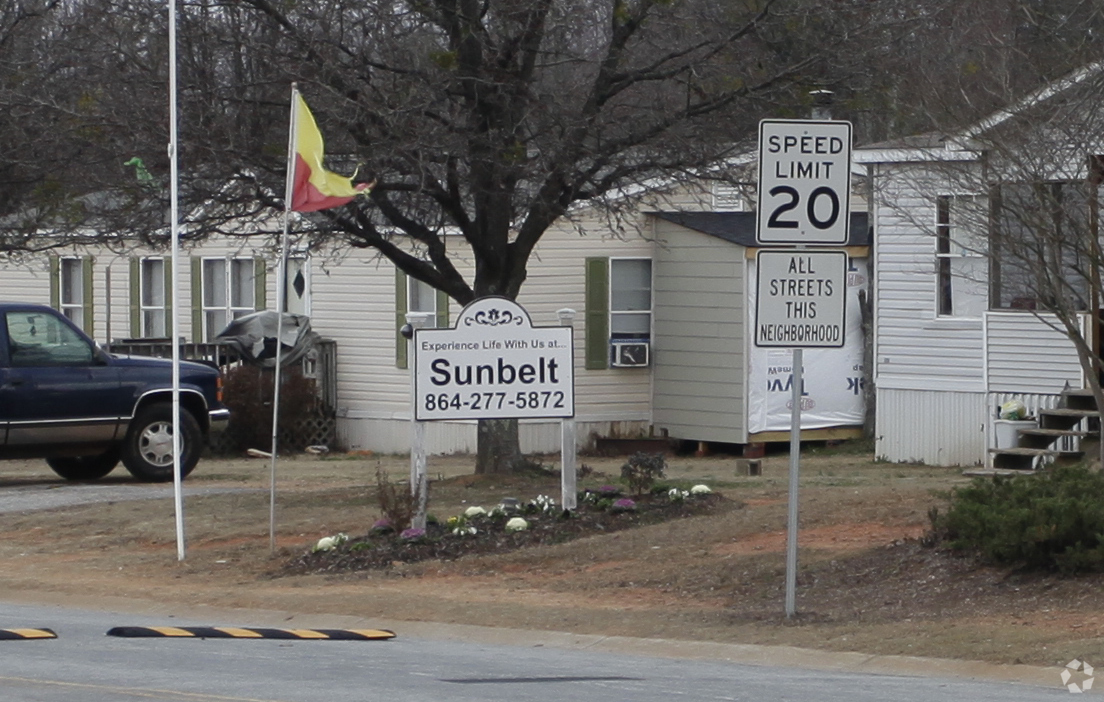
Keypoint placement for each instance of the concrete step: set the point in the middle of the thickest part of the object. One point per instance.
(990, 472)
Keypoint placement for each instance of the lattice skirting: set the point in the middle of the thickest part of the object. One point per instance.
(316, 430)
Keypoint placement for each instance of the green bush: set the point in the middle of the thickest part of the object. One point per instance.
(1052, 520)
(642, 471)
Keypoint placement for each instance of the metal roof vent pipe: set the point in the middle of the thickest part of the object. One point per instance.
(822, 104)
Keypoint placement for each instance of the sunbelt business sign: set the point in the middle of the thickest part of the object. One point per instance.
(494, 364)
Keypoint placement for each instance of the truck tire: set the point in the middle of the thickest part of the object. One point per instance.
(85, 467)
(148, 448)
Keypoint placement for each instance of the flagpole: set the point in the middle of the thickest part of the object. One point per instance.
(174, 176)
(281, 295)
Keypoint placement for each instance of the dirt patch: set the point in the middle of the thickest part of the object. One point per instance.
(865, 582)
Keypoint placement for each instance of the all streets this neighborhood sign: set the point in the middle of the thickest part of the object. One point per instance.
(494, 364)
(800, 298)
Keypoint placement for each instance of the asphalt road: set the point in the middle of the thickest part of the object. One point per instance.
(85, 665)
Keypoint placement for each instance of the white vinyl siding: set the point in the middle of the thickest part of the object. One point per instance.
(935, 428)
(915, 348)
(698, 349)
(1030, 354)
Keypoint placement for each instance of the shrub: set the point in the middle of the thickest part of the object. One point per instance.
(396, 501)
(1048, 521)
(642, 470)
(248, 392)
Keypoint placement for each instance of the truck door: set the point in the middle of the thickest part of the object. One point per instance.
(59, 388)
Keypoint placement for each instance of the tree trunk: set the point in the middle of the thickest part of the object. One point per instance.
(498, 448)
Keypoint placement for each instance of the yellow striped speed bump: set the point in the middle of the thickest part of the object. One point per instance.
(229, 632)
(25, 634)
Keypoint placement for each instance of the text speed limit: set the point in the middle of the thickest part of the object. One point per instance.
(804, 182)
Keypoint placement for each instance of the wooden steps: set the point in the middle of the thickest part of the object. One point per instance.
(1036, 446)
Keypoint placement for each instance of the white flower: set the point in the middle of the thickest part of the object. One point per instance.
(475, 512)
(517, 524)
(700, 490)
(329, 543)
(464, 530)
(677, 495)
(544, 503)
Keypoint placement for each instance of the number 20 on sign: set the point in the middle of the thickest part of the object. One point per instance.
(804, 182)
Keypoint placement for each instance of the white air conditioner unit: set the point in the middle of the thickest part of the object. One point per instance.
(630, 354)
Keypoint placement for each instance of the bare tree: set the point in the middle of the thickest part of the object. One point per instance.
(494, 118)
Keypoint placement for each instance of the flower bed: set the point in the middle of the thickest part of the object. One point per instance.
(484, 532)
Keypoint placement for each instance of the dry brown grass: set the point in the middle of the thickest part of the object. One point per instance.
(865, 583)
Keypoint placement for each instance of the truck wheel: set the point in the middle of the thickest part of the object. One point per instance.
(85, 467)
(148, 449)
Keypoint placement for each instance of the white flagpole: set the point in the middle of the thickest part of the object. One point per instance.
(280, 296)
(178, 491)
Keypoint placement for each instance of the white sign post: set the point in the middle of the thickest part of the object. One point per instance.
(494, 364)
(804, 182)
(804, 199)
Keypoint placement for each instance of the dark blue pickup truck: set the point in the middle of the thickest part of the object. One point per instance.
(65, 399)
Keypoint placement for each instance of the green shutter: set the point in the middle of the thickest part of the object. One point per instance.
(260, 289)
(86, 292)
(197, 299)
(55, 282)
(400, 318)
(442, 309)
(135, 297)
(597, 313)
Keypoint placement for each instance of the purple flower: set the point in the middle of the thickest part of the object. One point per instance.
(382, 526)
(623, 505)
(412, 534)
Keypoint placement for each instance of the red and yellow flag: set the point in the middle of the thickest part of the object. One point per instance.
(314, 188)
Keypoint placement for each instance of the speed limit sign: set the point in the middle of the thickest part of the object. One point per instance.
(804, 182)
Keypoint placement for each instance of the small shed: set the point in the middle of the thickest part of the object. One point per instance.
(710, 383)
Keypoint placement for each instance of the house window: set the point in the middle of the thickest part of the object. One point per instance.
(421, 297)
(152, 298)
(618, 306)
(228, 292)
(960, 260)
(71, 272)
(1043, 246)
(412, 295)
(630, 298)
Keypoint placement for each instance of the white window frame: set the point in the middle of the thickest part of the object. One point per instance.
(226, 308)
(71, 288)
(149, 306)
(961, 287)
(648, 313)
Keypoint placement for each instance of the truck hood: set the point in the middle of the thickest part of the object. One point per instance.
(191, 367)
